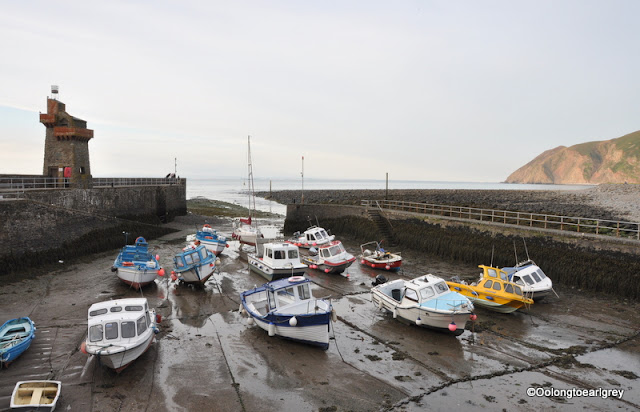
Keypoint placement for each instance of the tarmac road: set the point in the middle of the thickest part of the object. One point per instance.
(207, 358)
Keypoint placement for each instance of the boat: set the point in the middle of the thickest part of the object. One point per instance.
(287, 308)
(276, 261)
(312, 237)
(120, 331)
(15, 338)
(35, 395)
(329, 258)
(379, 258)
(245, 230)
(194, 264)
(136, 266)
(210, 238)
(532, 279)
(426, 301)
(493, 291)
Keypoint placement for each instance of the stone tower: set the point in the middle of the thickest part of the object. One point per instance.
(66, 147)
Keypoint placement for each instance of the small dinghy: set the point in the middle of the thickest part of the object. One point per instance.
(210, 238)
(35, 395)
(15, 338)
(286, 308)
(426, 301)
(379, 258)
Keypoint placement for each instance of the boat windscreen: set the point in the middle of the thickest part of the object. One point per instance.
(293, 254)
(441, 287)
(427, 292)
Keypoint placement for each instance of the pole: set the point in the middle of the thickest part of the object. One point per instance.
(175, 166)
(302, 174)
(386, 193)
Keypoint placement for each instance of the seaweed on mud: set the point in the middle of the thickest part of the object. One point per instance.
(626, 374)
(398, 356)
(373, 358)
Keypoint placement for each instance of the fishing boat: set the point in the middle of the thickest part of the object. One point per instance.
(120, 331)
(276, 261)
(287, 308)
(379, 258)
(534, 282)
(493, 291)
(35, 395)
(15, 338)
(194, 265)
(210, 238)
(312, 237)
(329, 258)
(136, 266)
(426, 301)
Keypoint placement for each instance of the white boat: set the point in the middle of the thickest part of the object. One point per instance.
(534, 282)
(379, 258)
(314, 236)
(136, 266)
(329, 258)
(194, 264)
(276, 261)
(287, 308)
(35, 395)
(426, 301)
(120, 331)
(210, 238)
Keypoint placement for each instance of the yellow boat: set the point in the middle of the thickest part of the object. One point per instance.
(493, 291)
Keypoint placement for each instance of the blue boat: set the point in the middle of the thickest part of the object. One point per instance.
(15, 337)
(195, 264)
(136, 266)
(286, 308)
(210, 239)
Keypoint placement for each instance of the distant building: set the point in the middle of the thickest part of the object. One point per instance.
(66, 148)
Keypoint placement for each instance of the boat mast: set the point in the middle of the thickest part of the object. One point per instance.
(302, 174)
(252, 198)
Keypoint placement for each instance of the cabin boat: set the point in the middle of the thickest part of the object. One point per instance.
(426, 301)
(210, 238)
(532, 279)
(35, 395)
(493, 291)
(276, 261)
(329, 258)
(120, 331)
(194, 265)
(15, 338)
(314, 236)
(379, 258)
(287, 308)
(136, 266)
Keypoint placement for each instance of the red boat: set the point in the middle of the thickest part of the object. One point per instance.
(379, 258)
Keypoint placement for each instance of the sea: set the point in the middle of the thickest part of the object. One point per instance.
(235, 190)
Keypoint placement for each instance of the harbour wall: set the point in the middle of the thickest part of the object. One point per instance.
(594, 263)
(48, 226)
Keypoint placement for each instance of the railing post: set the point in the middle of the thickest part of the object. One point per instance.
(618, 229)
(578, 225)
(545, 221)
(597, 226)
(518, 219)
(561, 222)
(491, 215)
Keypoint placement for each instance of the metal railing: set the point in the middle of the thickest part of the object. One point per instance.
(136, 181)
(16, 184)
(622, 229)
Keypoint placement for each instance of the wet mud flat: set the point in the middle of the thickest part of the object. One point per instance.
(207, 358)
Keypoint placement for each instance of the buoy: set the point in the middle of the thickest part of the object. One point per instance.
(380, 304)
(227, 245)
(241, 308)
(453, 327)
(211, 264)
(157, 257)
(473, 316)
(158, 318)
(387, 267)
(272, 329)
(418, 321)
(334, 315)
(249, 321)
(294, 279)
(315, 244)
(293, 321)
(326, 271)
(362, 262)
(174, 277)
(161, 272)
(83, 348)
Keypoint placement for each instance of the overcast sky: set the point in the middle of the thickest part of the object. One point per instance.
(424, 90)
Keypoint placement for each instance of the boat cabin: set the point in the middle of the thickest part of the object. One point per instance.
(191, 257)
(315, 234)
(118, 320)
(284, 292)
(497, 280)
(280, 254)
(333, 249)
(526, 276)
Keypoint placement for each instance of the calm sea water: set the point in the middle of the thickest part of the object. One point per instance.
(234, 190)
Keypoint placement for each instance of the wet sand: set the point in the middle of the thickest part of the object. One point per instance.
(207, 358)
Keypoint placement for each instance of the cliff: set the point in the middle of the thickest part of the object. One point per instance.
(609, 161)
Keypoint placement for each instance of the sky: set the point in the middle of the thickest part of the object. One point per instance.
(463, 91)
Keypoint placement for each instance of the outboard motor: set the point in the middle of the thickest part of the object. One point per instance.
(380, 279)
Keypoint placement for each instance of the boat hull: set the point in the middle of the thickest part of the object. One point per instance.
(257, 266)
(327, 267)
(428, 319)
(316, 335)
(136, 278)
(214, 247)
(507, 307)
(197, 275)
(119, 360)
(35, 395)
(395, 265)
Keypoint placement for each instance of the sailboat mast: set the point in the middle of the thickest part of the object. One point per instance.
(302, 174)
(252, 198)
